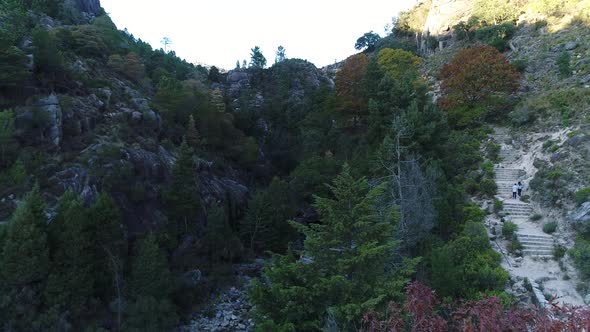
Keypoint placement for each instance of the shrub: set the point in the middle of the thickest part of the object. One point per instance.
(498, 205)
(514, 245)
(563, 64)
(580, 253)
(550, 227)
(497, 35)
(520, 64)
(559, 252)
(493, 151)
(508, 229)
(536, 217)
(582, 195)
(488, 187)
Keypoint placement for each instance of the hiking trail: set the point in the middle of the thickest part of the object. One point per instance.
(548, 278)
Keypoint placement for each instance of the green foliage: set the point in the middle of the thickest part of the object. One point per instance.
(130, 66)
(514, 245)
(498, 205)
(25, 254)
(559, 252)
(257, 59)
(222, 243)
(467, 266)
(48, 58)
(150, 314)
(580, 253)
(312, 174)
(13, 66)
(412, 20)
(582, 195)
(563, 64)
(497, 35)
(150, 276)
(367, 41)
(398, 63)
(508, 229)
(8, 144)
(265, 226)
(70, 283)
(536, 217)
(550, 227)
(520, 64)
(24, 257)
(488, 187)
(343, 265)
(183, 198)
(494, 11)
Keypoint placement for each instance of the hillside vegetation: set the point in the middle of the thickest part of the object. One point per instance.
(135, 187)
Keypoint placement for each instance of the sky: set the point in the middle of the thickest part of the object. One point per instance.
(219, 32)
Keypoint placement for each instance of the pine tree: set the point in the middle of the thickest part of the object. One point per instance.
(257, 60)
(110, 248)
(281, 54)
(25, 263)
(344, 267)
(222, 243)
(71, 280)
(25, 256)
(8, 144)
(192, 134)
(183, 200)
(150, 287)
(149, 271)
(266, 225)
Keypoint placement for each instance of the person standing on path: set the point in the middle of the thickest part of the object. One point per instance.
(514, 190)
(520, 187)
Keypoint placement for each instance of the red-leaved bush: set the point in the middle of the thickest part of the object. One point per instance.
(423, 311)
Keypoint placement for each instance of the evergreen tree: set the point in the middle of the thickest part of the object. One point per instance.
(192, 134)
(222, 243)
(183, 200)
(281, 55)
(149, 271)
(13, 67)
(150, 287)
(110, 248)
(25, 256)
(48, 59)
(266, 226)
(343, 268)
(70, 284)
(25, 263)
(257, 60)
(8, 144)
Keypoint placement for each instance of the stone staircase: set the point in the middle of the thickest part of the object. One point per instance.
(506, 178)
(508, 155)
(536, 245)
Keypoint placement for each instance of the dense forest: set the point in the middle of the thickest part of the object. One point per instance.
(132, 182)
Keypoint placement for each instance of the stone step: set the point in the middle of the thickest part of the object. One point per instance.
(508, 171)
(513, 209)
(537, 252)
(517, 204)
(532, 236)
(533, 244)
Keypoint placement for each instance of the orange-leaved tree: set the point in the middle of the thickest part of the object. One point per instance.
(476, 75)
(351, 88)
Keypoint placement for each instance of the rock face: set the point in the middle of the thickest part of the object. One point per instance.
(444, 14)
(91, 7)
(581, 215)
(42, 123)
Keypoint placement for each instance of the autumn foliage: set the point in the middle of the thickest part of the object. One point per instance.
(475, 75)
(423, 311)
(350, 85)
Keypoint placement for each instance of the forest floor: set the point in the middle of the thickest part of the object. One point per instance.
(551, 278)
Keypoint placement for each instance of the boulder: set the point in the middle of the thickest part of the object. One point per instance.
(576, 140)
(570, 45)
(585, 79)
(580, 215)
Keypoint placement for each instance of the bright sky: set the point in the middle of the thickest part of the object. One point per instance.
(219, 32)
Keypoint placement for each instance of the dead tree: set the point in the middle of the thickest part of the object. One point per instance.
(410, 188)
